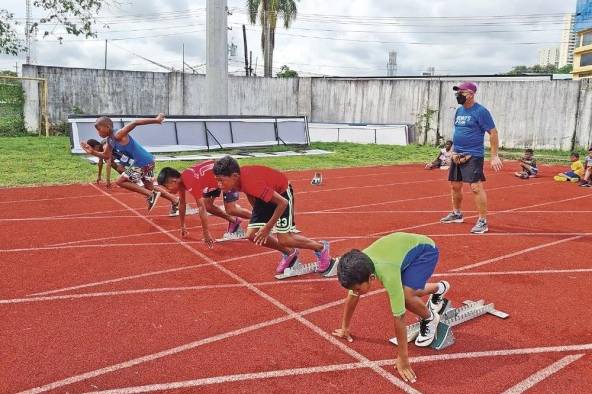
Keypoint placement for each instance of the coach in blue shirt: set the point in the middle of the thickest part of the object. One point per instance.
(471, 122)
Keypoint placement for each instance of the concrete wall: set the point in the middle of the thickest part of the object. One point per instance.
(536, 113)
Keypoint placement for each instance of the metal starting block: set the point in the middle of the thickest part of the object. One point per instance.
(236, 236)
(300, 268)
(451, 317)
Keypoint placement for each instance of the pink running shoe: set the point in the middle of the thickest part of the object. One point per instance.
(234, 226)
(287, 260)
(323, 258)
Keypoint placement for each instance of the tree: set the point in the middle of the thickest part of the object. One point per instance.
(267, 11)
(286, 72)
(76, 16)
(540, 69)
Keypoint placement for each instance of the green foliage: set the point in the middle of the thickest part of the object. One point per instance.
(77, 17)
(286, 72)
(12, 98)
(539, 69)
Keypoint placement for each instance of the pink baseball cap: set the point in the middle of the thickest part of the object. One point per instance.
(466, 86)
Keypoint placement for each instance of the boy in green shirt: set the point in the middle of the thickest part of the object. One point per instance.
(403, 263)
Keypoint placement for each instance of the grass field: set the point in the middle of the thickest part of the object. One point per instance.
(46, 161)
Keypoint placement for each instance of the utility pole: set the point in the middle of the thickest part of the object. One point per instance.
(245, 50)
(28, 25)
(250, 63)
(105, 54)
(216, 57)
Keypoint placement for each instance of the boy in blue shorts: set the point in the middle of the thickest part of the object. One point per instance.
(403, 263)
(141, 167)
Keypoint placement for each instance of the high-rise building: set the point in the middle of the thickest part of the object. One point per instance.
(583, 51)
(391, 66)
(549, 56)
(568, 40)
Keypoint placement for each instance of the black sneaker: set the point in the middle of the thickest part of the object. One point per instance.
(427, 331)
(436, 302)
(585, 184)
(152, 199)
(174, 209)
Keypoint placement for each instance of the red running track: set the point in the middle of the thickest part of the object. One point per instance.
(96, 296)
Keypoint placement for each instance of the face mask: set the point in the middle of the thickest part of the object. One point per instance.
(460, 99)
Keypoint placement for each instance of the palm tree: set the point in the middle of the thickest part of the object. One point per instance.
(268, 11)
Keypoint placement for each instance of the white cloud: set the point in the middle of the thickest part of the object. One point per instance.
(462, 50)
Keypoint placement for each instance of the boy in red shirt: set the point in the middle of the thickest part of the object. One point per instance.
(199, 180)
(272, 199)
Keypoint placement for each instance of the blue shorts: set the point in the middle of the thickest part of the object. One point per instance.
(571, 174)
(228, 197)
(419, 265)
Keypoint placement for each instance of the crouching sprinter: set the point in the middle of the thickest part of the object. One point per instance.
(403, 263)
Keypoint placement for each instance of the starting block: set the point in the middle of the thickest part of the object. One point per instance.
(299, 269)
(451, 317)
(189, 210)
(236, 236)
(317, 179)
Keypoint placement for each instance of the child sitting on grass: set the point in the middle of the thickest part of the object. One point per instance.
(588, 168)
(576, 170)
(443, 160)
(528, 164)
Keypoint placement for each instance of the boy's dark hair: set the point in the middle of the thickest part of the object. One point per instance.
(575, 154)
(104, 121)
(226, 166)
(448, 142)
(354, 268)
(166, 174)
(529, 151)
(96, 145)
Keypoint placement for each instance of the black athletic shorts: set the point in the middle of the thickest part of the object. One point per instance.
(263, 211)
(469, 172)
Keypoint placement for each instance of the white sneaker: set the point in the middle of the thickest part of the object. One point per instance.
(436, 301)
(427, 331)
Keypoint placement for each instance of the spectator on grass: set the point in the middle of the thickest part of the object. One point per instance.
(528, 165)
(444, 157)
(471, 122)
(586, 182)
(575, 172)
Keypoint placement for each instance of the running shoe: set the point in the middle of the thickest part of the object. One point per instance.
(453, 217)
(287, 261)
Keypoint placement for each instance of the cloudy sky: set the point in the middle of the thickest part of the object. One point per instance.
(328, 37)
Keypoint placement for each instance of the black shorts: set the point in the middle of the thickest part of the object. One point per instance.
(263, 211)
(469, 172)
(230, 196)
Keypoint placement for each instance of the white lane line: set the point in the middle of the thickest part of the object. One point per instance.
(342, 367)
(509, 255)
(258, 284)
(328, 337)
(543, 374)
(369, 236)
(91, 215)
(419, 198)
(147, 274)
(182, 348)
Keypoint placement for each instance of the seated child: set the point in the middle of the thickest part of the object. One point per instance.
(586, 181)
(96, 148)
(443, 160)
(200, 182)
(272, 199)
(528, 165)
(403, 263)
(576, 170)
